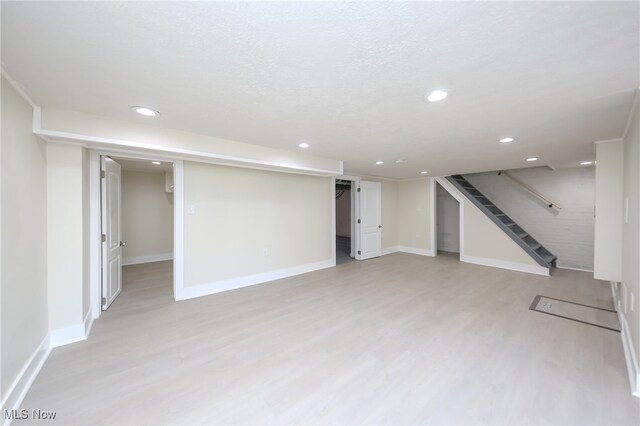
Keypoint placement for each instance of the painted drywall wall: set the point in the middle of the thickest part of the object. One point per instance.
(448, 221)
(607, 257)
(240, 222)
(147, 217)
(414, 216)
(110, 132)
(484, 242)
(631, 228)
(65, 239)
(23, 278)
(343, 214)
(569, 233)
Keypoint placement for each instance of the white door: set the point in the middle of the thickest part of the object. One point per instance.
(111, 232)
(369, 222)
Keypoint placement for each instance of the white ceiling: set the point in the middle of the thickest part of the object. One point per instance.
(349, 78)
(133, 165)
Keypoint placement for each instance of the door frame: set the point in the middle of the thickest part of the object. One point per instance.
(95, 243)
(354, 205)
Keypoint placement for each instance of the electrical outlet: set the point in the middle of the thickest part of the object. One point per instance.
(265, 251)
(191, 209)
(632, 302)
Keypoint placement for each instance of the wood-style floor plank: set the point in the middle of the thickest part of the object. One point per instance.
(401, 339)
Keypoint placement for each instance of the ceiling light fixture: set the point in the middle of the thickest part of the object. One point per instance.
(586, 163)
(157, 163)
(399, 161)
(532, 159)
(147, 112)
(303, 145)
(379, 162)
(437, 95)
(507, 140)
(423, 173)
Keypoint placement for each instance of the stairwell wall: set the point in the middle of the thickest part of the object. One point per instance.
(567, 233)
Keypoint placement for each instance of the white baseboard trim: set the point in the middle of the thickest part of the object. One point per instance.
(88, 323)
(67, 335)
(512, 266)
(389, 250)
(249, 280)
(574, 269)
(19, 388)
(413, 250)
(627, 344)
(135, 260)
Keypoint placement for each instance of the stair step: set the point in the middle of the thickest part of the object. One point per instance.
(489, 205)
(499, 214)
(468, 187)
(522, 234)
(511, 224)
(535, 246)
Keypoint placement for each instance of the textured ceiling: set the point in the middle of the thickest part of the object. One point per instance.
(348, 78)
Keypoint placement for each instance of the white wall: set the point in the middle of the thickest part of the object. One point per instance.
(65, 237)
(147, 217)
(241, 222)
(448, 222)
(414, 215)
(631, 232)
(569, 234)
(23, 247)
(343, 214)
(609, 202)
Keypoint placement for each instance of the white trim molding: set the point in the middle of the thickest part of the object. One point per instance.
(389, 250)
(414, 250)
(503, 264)
(234, 283)
(627, 344)
(21, 385)
(136, 260)
(67, 335)
(100, 142)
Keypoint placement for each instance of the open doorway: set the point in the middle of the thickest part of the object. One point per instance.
(137, 223)
(344, 222)
(448, 223)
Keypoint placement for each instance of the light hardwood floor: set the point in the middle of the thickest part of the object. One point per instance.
(402, 339)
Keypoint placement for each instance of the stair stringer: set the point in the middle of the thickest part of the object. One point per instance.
(482, 242)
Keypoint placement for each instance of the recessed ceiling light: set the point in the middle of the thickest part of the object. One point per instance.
(437, 95)
(532, 159)
(400, 160)
(586, 163)
(155, 162)
(507, 140)
(303, 145)
(423, 173)
(379, 162)
(148, 112)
